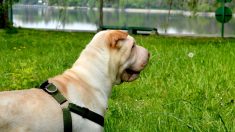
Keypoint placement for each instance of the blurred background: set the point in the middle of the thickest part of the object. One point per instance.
(182, 17)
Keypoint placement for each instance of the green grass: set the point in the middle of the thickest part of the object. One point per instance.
(174, 93)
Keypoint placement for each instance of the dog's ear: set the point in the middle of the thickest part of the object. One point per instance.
(114, 36)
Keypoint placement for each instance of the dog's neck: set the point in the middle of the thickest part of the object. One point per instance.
(86, 84)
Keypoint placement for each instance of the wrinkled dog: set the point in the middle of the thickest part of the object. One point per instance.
(111, 57)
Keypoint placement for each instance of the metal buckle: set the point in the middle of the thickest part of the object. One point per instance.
(49, 90)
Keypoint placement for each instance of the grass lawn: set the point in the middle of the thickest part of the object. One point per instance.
(189, 84)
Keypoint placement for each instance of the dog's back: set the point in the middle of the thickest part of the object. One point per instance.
(28, 110)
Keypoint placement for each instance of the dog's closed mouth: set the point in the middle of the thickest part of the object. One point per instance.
(129, 71)
(129, 75)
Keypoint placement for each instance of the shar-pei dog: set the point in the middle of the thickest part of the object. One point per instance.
(111, 57)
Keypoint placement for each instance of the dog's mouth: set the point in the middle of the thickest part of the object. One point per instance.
(129, 75)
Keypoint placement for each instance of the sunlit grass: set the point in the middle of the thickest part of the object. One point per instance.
(189, 84)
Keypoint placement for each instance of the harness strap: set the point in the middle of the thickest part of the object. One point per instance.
(82, 111)
(67, 120)
(86, 113)
(54, 92)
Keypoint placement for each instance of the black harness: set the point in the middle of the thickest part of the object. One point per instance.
(82, 111)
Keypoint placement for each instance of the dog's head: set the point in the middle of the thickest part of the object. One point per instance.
(123, 57)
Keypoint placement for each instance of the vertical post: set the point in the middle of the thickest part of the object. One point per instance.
(222, 28)
(11, 12)
(170, 2)
(223, 14)
(101, 15)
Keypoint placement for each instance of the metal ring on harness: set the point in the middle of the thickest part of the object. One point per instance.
(50, 90)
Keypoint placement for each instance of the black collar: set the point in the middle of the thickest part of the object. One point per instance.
(82, 111)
